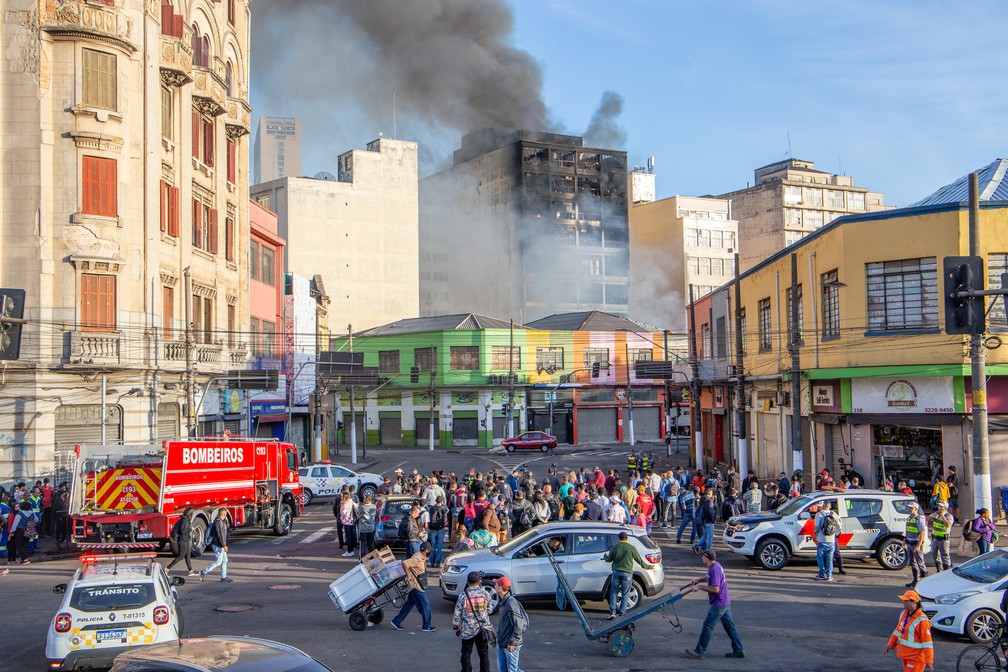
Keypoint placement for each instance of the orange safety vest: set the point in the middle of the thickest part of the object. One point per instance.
(912, 638)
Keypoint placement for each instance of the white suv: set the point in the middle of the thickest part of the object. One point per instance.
(874, 522)
(111, 604)
(326, 480)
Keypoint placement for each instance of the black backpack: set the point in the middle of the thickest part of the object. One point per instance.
(403, 531)
(554, 507)
(438, 517)
(524, 517)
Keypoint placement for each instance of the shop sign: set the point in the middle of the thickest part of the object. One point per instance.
(463, 398)
(719, 397)
(268, 407)
(823, 395)
(902, 395)
(391, 399)
(891, 452)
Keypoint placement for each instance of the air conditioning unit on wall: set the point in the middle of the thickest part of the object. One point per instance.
(783, 398)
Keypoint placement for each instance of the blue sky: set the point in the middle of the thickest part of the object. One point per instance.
(903, 96)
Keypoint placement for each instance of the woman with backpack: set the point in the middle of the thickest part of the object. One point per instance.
(25, 527)
(181, 537)
(983, 529)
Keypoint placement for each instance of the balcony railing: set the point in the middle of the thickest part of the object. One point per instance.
(80, 20)
(176, 60)
(209, 92)
(91, 347)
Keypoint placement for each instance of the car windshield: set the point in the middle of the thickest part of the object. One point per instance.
(515, 543)
(794, 505)
(987, 568)
(110, 598)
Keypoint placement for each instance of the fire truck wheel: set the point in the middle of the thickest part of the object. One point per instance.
(199, 528)
(284, 520)
(358, 621)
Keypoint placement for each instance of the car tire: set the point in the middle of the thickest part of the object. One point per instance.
(368, 491)
(636, 594)
(284, 520)
(544, 448)
(306, 496)
(199, 537)
(509, 448)
(772, 554)
(892, 555)
(980, 624)
(492, 596)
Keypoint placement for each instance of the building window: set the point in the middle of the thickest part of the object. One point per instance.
(98, 302)
(549, 359)
(765, 325)
(855, 201)
(814, 218)
(792, 237)
(99, 85)
(200, 48)
(167, 114)
(706, 346)
(835, 199)
(169, 209)
(254, 254)
(616, 294)
(721, 337)
(831, 304)
(801, 315)
(203, 138)
(171, 23)
(425, 359)
(229, 79)
(388, 361)
(499, 358)
(255, 327)
(902, 294)
(742, 330)
(229, 238)
(231, 165)
(99, 186)
(167, 311)
(464, 358)
(268, 273)
(204, 228)
(599, 355)
(792, 195)
(202, 316)
(997, 263)
(268, 339)
(792, 217)
(232, 336)
(231, 11)
(640, 355)
(812, 197)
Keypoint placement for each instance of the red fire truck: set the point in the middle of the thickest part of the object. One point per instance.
(131, 494)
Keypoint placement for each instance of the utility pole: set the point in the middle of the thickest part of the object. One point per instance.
(510, 404)
(317, 442)
(796, 429)
(695, 366)
(978, 370)
(430, 395)
(740, 405)
(189, 383)
(353, 410)
(668, 405)
(629, 389)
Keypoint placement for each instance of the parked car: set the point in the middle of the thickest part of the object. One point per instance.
(113, 603)
(326, 480)
(218, 654)
(966, 600)
(873, 525)
(580, 547)
(394, 509)
(534, 440)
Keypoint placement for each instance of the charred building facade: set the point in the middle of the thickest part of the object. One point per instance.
(525, 224)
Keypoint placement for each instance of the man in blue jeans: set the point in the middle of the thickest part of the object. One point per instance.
(705, 516)
(416, 579)
(687, 507)
(719, 609)
(622, 555)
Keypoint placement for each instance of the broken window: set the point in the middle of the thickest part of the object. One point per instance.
(562, 158)
(562, 184)
(588, 161)
(589, 186)
(535, 155)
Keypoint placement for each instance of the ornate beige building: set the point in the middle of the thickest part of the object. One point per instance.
(124, 214)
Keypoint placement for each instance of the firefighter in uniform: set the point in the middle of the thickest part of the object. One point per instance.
(631, 463)
(645, 464)
(912, 637)
(941, 526)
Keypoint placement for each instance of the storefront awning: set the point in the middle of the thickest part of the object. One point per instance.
(900, 420)
(997, 423)
(270, 418)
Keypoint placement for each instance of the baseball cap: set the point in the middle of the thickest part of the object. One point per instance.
(640, 488)
(913, 505)
(503, 582)
(910, 595)
(943, 503)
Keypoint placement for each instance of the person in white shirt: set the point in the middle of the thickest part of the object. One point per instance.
(617, 514)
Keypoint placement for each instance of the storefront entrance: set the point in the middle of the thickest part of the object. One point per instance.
(910, 454)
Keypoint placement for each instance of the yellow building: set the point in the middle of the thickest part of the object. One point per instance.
(883, 387)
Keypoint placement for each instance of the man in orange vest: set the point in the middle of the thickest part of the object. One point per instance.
(912, 636)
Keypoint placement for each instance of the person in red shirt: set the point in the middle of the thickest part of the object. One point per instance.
(647, 506)
(699, 481)
(47, 493)
(599, 480)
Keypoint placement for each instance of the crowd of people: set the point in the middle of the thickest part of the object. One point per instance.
(31, 514)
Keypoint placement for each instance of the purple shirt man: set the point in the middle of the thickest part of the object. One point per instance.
(719, 609)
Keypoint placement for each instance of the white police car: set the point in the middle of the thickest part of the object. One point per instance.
(112, 603)
(326, 480)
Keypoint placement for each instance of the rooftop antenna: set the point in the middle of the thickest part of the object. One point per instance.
(789, 155)
(394, 121)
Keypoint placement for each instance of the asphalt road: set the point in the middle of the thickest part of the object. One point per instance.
(786, 620)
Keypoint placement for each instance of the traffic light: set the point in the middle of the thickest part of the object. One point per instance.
(11, 316)
(596, 369)
(414, 375)
(964, 314)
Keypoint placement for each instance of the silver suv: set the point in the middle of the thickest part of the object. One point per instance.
(579, 547)
(874, 522)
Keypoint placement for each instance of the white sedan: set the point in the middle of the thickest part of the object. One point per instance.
(966, 600)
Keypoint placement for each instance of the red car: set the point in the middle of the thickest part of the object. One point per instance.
(530, 440)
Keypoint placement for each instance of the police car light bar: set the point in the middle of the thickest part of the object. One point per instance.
(117, 557)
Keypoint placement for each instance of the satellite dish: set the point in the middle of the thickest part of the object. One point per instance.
(325, 175)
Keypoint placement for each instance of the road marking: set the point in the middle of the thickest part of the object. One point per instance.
(280, 540)
(315, 536)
